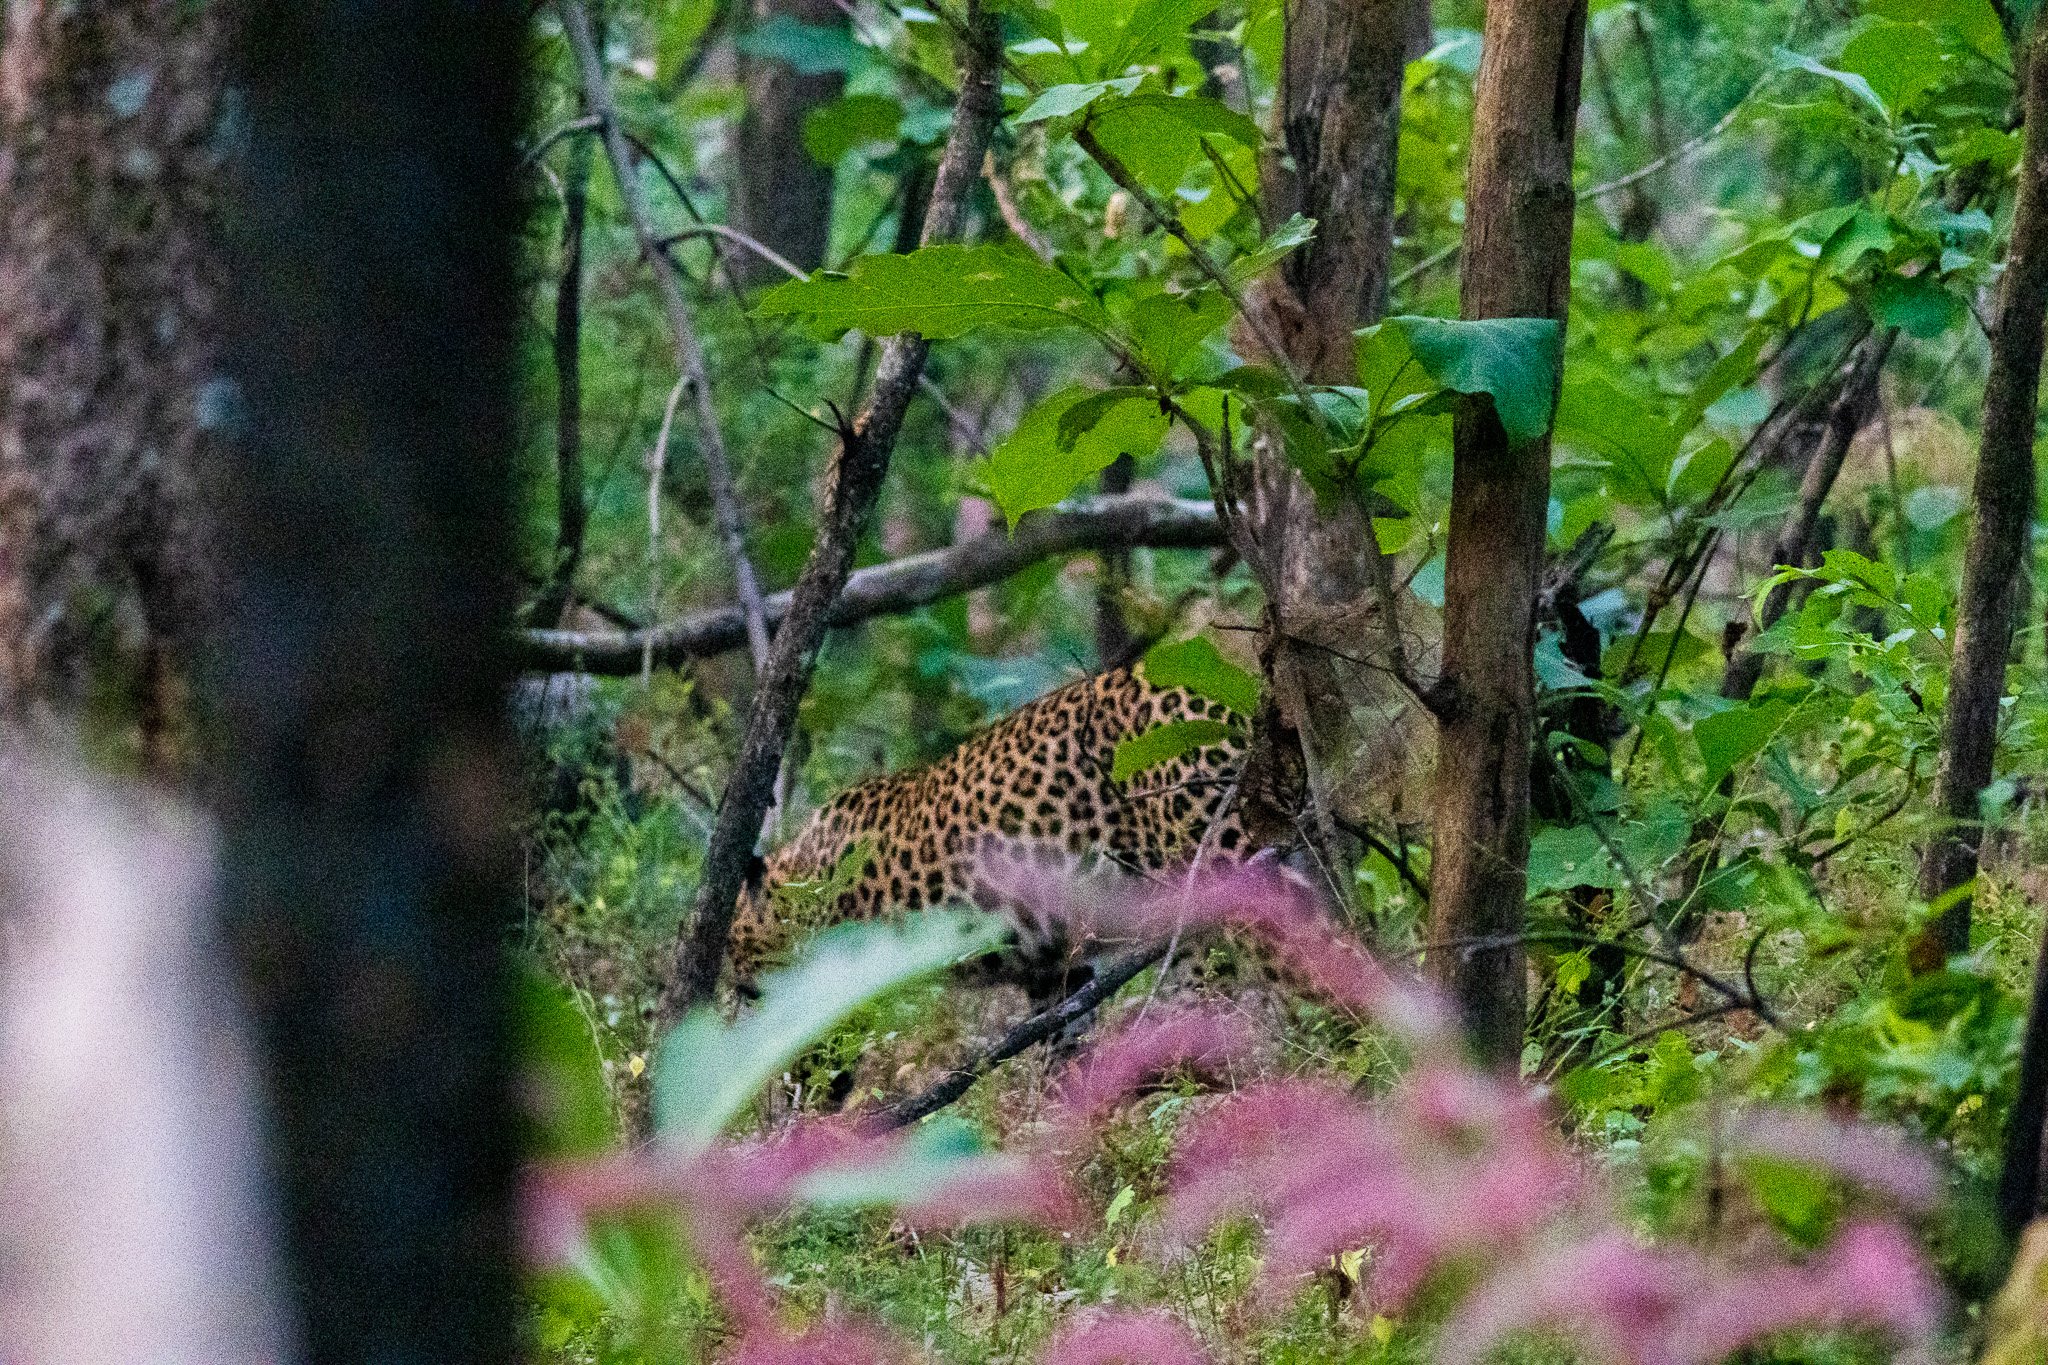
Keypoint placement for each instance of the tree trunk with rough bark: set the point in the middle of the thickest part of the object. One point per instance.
(374, 308)
(1339, 116)
(1995, 567)
(781, 196)
(1517, 263)
(110, 162)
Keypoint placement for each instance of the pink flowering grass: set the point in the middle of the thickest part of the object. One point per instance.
(1455, 1178)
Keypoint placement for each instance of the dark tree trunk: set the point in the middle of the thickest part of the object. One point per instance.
(1517, 263)
(109, 166)
(781, 195)
(373, 313)
(1995, 567)
(1114, 642)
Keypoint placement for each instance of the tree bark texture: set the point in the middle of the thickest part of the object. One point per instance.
(374, 309)
(853, 483)
(1517, 263)
(781, 196)
(1995, 566)
(1339, 115)
(110, 152)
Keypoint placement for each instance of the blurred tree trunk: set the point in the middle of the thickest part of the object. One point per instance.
(1517, 263)
(1339, 115)
(364, 814)
(110, 155)
(781, 195)
(1995, 567)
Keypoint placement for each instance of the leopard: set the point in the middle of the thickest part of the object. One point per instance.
(1039, 782)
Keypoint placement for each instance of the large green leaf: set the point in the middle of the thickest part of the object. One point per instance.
(1160, 136)
(1899, 61)
(832, 130)
(1513, 361)
(707, 1070)
(1066, 439)
(1152, 25)
(1196, 665)
(939, 291)
(1788, 60)
(1728, 737)
(940, 1150)
(1163, 744)
(810, 49)
(1167, 330)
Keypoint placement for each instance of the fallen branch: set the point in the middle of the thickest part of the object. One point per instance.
(1036, 1029)
(898, 586)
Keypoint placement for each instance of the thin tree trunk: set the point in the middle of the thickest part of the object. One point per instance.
(781, 196)
(572, 513)
(1114, 642)
(1855, 402)
(109, 170)
(374, 313)
(1995, 567)
(858, 467)
(1517, 263)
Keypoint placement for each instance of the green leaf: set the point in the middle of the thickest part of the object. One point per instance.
(943, 1149)
(1919, 306)
(1058, 101)
(1153, 24)
(1159, 136)
(1974, 22)
(1167, 330)
(1560, 859)
(1727, 738)
(707, 1070)
(1513, 361)
(1196, 665)
(1048, 456)
(564, 1082)
(807, 49)
(939, 291)
(1898, 61)
(1288, 238)
(1788, 60)
(1163, 744)
(832, 130)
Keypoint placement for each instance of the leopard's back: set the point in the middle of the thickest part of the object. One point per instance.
(1040, 779)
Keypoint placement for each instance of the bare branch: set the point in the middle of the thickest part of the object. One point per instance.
(858, 467)
(898, 586)
(682, 326)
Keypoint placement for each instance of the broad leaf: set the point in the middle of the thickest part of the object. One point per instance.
(1196, 665)
(1163, 744)
(1152, 25)
(1059, 101)
(1289, 237)
(1788, 60)
(1048, 456)
(808, 49)
(1899, 61)
(1167, 330)
(1160, 136)
(1726, 738)
(1513, 361)
(939, 291)
(832, 130)
(707, 1070)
